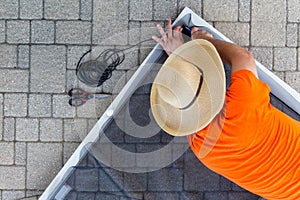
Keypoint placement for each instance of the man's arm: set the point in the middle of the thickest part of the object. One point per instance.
(238, 57)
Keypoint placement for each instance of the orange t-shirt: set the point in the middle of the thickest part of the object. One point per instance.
(251, 142)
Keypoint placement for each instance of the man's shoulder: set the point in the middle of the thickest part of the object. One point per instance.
(246, 87)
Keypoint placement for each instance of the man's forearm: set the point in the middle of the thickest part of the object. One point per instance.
(238, 57)
(227, 51)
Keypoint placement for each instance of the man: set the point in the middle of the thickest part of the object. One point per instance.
(247, 141)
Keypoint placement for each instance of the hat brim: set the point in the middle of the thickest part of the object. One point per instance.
(208, 103)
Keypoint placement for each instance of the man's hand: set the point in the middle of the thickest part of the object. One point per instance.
(170, 41)
(200, 34)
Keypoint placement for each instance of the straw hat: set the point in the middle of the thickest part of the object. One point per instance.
(189, 89)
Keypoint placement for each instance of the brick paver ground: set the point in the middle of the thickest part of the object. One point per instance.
(42, 40)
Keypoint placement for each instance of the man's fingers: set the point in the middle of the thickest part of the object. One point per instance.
(162, 32)
(195, 29)
(177, 32)
(170, 31)
(158, 40)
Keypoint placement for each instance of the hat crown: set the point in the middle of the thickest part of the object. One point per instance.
(177, 84)
(189, 89)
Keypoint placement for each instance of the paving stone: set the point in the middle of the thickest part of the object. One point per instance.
(155, 140)
(91, 124)
(164, 9)
(61, 107)
(71, 195)
(116, 83)
(119, 161)
(94, 108)
(44, 160)
(293, 11)
(35, 193)
(110, 22)
(275, 34)
(108, 9)
(285, 59)
(114, 131)
(237, 32)
(9, 129)
(51, 130)
(18, 31)
(244, 10)
(166, 180)
(115, 33)
(132, 195)
(2, 31)
(20, 153)
(14, 80)
(264, 55)
(69, 149)
(237, 188)
(293, 79)
(135, 182)
(225, 184)
(148, 29)
(74, 53)
(291, 35)
(58, 9)
(191, 196)
(131, 60)
(242, 196)
(15, 105)
(129, 74)
(104, 196)
(27, 129)
(110, 180)
(280, 75)
(73, 32)
(86, 195)
(273, 11)
(75, 130)
(23, 56)
(39, 105)
(160, 195)
(31, 9)
(8, 56)
(72, 81)
(140, 10)
(299, 56)
(42, 31)
(225, 10)
(45, 62)
(13, 195)
(87, 180)
(196, 6)
(134, 32)
(12, 177)
(86, 10)
(198, 177)
(9, 9)
(2, 118)
(144, 52)
(269, 19)
(6, 153)
(215, 195)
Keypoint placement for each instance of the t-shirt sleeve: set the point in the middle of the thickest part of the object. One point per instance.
(246, 87)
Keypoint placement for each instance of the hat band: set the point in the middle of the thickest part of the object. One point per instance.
(198, 89)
